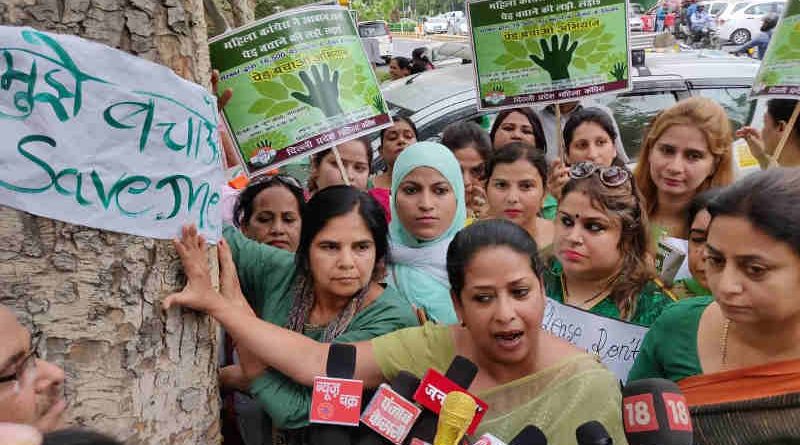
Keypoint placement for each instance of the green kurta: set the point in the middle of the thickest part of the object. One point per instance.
(267, 275)
(650, 303)
(669, 350)
(549, 207)
(557, 399)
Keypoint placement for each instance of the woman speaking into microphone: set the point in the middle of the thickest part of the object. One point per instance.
(525, 375)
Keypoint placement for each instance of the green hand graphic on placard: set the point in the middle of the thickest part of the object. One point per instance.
(323, 90)
(618, 71)
(556, 57)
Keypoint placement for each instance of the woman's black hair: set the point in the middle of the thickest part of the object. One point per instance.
(419, 61)
(75, 436)
(536, 124)
(243, 210)
(397, 119)
(404, 63)
(769, 200)
(513, 152)
(700, 202)
(338, 200)
(488, 233)
(589, 114)
(467, 134)
(419, 54)
(781, 110)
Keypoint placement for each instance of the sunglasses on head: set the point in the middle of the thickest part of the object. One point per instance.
(613, 176)
(282, 178)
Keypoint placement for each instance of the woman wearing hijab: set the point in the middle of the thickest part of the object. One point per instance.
(428, 209)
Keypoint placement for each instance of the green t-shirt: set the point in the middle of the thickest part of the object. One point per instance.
(651, 301)
(689, 288)
(266, 274)
(669, 350)
(549, 207)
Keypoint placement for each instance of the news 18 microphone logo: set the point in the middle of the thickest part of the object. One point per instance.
(336, 401)
(390, 415)
(639, 413)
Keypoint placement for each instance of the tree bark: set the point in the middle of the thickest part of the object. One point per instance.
(243, 12)
(132, 370)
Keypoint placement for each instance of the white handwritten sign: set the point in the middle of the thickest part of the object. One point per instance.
(616, 342)
(98, 137)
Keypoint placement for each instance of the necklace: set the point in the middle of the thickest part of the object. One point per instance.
(565, 294)
(724, 345)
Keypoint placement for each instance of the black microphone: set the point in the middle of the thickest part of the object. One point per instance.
(462, 372)
(593, 433)
(342, 365)
(404, 384)
(654, 412)
(530, 435)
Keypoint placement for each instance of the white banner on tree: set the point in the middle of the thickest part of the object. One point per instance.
(615, 342)
(98, 137)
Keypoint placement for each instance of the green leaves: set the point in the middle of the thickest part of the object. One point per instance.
(272, 90)
(504, 59)
(515, 49)
(292, 82)
(260, 106)
(283, 107)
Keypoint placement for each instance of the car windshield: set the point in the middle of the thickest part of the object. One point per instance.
(371, 30)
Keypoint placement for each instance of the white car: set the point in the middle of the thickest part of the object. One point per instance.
(744, 24)
(435, 25)
(379, 30)
(635, 22)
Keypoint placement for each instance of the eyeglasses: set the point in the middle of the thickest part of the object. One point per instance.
(282, 178)
(613, 176)
(27, 363)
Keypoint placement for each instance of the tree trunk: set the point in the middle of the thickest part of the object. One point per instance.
(132, 371)
(243, 12)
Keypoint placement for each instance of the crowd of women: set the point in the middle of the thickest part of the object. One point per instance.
(454, 248)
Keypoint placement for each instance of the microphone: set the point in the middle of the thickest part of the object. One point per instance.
(530, 435)
(458, 410)
(390, 415)
(341, 364)
(654, 412)
(461, 372)
(593, 433)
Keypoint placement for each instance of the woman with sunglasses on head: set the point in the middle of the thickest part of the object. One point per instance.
(428, 209)
(744, 342)
(356, 158)
(686, 149)
(522, 125)
(525, 375)
(603, 259)
(472, 148)
(589, 135)
(327, 291)
(269, 211)
(394, 140)
(515, 189)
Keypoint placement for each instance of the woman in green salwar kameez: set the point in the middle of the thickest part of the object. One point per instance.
(526, 375)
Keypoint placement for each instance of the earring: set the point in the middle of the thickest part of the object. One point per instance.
(463, 323)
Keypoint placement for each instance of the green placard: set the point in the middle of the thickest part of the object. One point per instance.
(779, 75)
(541, 51)
(301, 82)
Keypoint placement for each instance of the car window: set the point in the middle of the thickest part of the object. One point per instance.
(738, 7)
(757, 10)
(735, 101)
(633, 113)
(371, 30)
(717, 8)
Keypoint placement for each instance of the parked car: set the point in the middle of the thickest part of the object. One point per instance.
(730, 9)
(436, 98)
(444, 54)
(379, 30)
(435, 25)
(635, 22)
(745, 23)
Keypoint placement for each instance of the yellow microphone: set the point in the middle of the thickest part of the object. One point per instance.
(456, 415)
